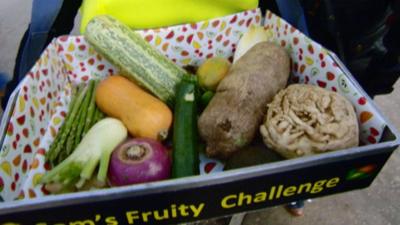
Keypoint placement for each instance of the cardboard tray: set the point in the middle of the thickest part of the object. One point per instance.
(38, 106)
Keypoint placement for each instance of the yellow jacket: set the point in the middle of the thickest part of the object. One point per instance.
(140, 14)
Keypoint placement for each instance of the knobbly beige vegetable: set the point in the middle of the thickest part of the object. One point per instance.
(231, 119)
(305, 119)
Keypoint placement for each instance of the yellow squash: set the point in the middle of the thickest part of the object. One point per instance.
(143, 114)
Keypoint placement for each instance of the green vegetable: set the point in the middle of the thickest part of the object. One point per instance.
(185, 153)
(98, 115)
(84, 113)
(97, 144)
(62, 136)
(138, 60)
(90, 118)
(74, 95)
(206, 98)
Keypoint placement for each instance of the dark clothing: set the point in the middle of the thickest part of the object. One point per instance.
(365, 34)
(49, 19)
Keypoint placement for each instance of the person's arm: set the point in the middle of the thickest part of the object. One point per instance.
(49, 19)
(42, 17)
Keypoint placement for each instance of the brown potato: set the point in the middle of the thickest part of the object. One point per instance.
(233, 116)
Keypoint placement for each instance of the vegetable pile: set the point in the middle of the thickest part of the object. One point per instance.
(157, 114)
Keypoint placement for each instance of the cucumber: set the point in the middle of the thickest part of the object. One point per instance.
(134, 56)
(185, 153)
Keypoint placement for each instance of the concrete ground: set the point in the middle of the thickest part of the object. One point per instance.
(376, 205)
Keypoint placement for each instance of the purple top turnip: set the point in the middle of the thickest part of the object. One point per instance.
(139, 160)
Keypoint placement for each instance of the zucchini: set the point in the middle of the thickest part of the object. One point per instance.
(134, 56)
(185, 154)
